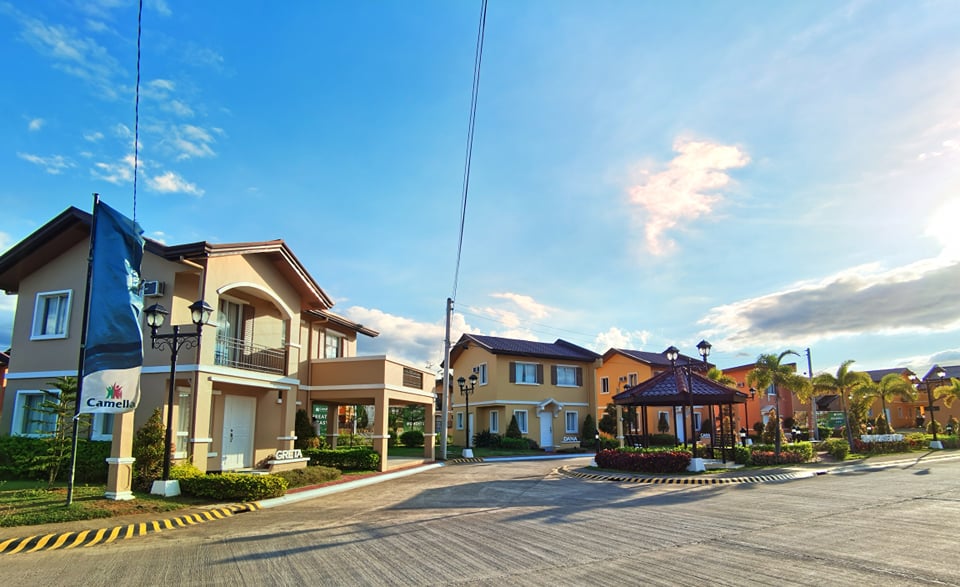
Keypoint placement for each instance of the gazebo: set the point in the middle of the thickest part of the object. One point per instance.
(682, 387)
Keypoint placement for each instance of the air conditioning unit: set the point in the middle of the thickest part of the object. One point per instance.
(152, 289)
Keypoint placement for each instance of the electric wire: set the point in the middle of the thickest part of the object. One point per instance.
(478, 58)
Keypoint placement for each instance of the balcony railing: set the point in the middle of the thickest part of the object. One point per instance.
(235, 352)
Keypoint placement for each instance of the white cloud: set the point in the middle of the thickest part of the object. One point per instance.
(159, 236)
(177, 107)
(117, 173)
(5, 241)
(54, 164)
(860, 300)
(190, 141)
(687, 189)
(93, 137)
(419, 343)
(527, 304)
(171, 182)
(620, 339)
(35, 124)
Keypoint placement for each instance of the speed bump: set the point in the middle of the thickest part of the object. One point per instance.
(88, 538)
(686, 480)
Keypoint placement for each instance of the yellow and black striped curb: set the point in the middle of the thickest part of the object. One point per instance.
(461, 461)
(87, 538)
(687, 480)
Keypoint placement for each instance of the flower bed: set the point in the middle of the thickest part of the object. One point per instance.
(672, 461)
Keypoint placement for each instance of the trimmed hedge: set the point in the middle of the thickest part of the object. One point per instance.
(663, 440)
(309, 476)
(355, 459)
(412, 438)
(765, 457)
(804, 449)
(837, 448)
(234, 486)
(664, 461)
(18, 460)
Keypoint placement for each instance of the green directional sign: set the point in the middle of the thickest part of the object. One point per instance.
(320, 416)
(830, 419)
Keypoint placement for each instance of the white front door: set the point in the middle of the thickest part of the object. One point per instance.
(239, 413)
(546, 429)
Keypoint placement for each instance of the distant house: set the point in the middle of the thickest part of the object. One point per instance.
(901, 413)
(274, 346)
(548, 387)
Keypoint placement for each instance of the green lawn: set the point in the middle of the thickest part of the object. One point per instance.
(26, 503)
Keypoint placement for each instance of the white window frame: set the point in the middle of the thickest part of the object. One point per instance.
(521, 420)
(604, 385)
(17, 424)
(184, 416)
(569, 369)
(576, 421)
(697, 423)
(459, 424)
(481, 371)
(521, 369)
(494, 422)
(98, 423)
(40, 315)
(633, 379)
(329, 335)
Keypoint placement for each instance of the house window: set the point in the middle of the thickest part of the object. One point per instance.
(697, 421)
(632, 379)
(184, 415)
(412, 378)
(333, 346)
(521, 416)
(527, 373)
(459, 420)
(663, 422)
(481, 371)
(102, 427)
(30, 416)
(571, 421)
(51, 314)
(566, 376)
(604, 385)
(495, 422)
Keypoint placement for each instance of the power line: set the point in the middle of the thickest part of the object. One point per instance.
(478, 58)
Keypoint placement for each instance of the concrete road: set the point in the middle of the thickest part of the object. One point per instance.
(521, 523)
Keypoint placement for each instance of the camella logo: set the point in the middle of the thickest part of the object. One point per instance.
(115, 392)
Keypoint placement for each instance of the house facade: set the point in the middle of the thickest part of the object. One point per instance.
(548, 387)
(273, 346)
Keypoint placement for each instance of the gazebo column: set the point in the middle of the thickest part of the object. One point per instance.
(620, 425)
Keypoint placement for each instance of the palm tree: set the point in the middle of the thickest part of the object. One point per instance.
(717, 376)
(770, 370)
(948, 392)
(890, 386)
(845, 381)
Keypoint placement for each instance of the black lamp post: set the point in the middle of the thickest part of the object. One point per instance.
(941, 374)
(200, 312)
(703, 347)
(466, 391)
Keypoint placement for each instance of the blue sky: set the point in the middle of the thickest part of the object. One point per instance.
(766, 175)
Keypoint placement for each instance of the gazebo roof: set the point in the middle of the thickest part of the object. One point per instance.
(670, 389)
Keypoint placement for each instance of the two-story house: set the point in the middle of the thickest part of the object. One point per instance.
(273, 346)
(548, 387)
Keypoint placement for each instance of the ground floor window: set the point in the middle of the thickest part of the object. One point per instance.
(521, 416)
(494, 422)
(102, 427)
(184, 415)
(30, 416)
(459, 420)
(571, 422)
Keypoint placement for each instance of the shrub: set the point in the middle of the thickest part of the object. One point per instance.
(485, 439)
(234, 486)
(607, 442)
(354, 440)
(952, 425)
(513, 430)
(758, 428)
(185, 470)
(837, 448)
(672, 461)
(824, 432)
(309, 476)
(769, 457)
(91, 462)
(589, 435)
(509, 443)
(916, 440)
(879, 448)
(881, 427)
(741, 455)
(351, 459)
(930, 426)
(306, 433)
(663, 440)
(663, 425)
(148, 450)
(412, 438)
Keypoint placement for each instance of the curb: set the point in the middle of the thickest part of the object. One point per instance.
(691, 480)
(87, 538)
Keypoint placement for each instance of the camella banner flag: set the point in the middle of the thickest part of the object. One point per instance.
(114, 347)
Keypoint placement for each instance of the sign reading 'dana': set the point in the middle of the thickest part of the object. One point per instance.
(571, 439)
(881, 437)
(288, 455)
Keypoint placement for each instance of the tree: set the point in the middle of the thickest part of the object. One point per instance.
(513, 430)
(949, 392)
(608, 422)
(889, 387)
(58, 439)
(771, 370)
(306, 434)
(663, 425)
(843, 383)
(148, 450)
(717, 376)
(589, 432)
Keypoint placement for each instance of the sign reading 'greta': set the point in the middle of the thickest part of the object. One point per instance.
(288, 455)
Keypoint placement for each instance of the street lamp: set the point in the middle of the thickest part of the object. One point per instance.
(673, 353)
(703, 347)
(941, 374)
(200, 312)
(466, 390)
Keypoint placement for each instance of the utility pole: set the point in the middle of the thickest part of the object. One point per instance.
(445, 399)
